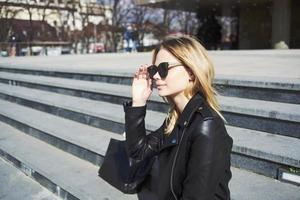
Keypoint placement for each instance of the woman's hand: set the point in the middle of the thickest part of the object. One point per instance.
(141, 86)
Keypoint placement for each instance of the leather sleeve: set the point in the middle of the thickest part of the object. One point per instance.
(209, 152)
(139, 144)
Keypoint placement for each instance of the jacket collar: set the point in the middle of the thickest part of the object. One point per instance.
(190, 108)
(188, 111)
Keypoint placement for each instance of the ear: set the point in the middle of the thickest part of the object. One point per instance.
(191, 74)
(192, 77)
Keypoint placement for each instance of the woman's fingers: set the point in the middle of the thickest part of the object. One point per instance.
(142, 73)
(150, 86)
(146, 75)
(137, 74)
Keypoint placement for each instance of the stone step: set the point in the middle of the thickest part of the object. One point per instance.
(262, 152)
(60, 172)
(249, 186)
(261, 88)
(269, 89)
(83, 141)
(263, 158)
(86, 89)
(16, 185)
(72, 178)
(108, 116)
(272, 117)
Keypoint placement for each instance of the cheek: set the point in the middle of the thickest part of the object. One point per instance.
(177, 80)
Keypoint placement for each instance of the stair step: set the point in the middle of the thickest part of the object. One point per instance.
(84, 141)
(246, 185)
(259, 82)
(90, 143)
(70, 86)
(74, 178)
(269, 89)
(88, 65)
(273, 117)
(64, 174)
(80, 85)
(262, 152)
(17, 185)
(73, 106)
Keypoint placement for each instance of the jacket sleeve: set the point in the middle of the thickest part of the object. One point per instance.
(208, 158)
(139, 144)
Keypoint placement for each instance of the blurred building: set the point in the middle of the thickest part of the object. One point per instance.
(245, 24)
(57, 12)
(51, 22)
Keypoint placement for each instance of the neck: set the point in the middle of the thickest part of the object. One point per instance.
(180, 101)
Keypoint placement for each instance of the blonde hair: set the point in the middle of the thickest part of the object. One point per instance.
(189, 51)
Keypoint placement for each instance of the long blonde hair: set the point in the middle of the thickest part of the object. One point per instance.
(189, 51)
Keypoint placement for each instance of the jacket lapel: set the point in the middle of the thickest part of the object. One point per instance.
(170, 140)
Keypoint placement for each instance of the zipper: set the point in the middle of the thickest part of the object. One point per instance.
(176, 154)
(173, 165)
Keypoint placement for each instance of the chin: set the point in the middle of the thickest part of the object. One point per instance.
(162, 93)
(166, 93)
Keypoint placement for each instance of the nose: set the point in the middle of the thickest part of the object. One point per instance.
(156, 76)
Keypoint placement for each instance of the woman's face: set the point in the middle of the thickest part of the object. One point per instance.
(177, 79)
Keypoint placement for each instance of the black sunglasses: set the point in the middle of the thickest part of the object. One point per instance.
(162, 69)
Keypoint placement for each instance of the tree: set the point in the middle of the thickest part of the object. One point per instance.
(120, 10)
(7, 14)
(43, 15)
(140, 16)
(30, 9)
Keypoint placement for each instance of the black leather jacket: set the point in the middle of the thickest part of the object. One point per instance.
(198, 168)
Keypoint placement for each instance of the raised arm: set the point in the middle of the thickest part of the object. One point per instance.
(139, 144)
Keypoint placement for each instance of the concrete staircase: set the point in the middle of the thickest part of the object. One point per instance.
(56, 125)
(23, 187)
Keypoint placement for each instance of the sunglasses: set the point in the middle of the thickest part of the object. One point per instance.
(162, 69)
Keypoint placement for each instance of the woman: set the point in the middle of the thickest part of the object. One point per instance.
(192, 147)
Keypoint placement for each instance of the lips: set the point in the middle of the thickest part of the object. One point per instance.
(157, 84)
(160, 86)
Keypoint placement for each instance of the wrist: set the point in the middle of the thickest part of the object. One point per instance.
(138, 103)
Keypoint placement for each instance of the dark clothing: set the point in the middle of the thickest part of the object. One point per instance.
(201, 170)
(210, 32)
